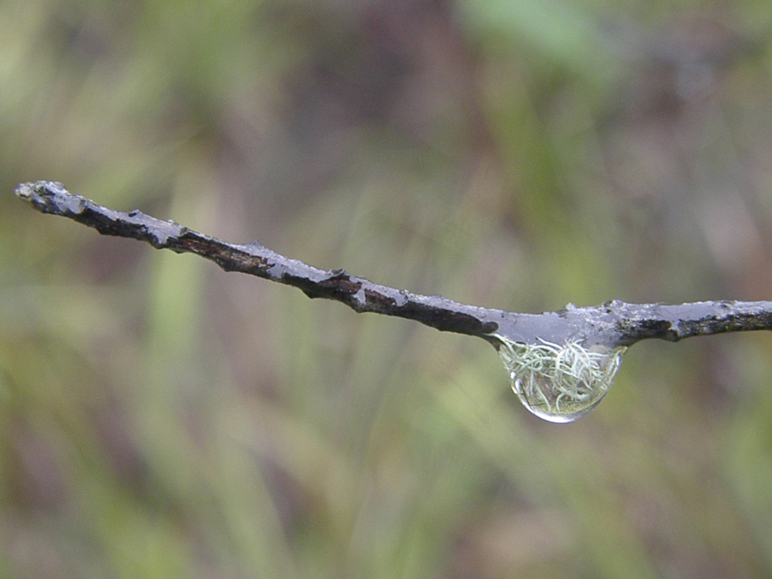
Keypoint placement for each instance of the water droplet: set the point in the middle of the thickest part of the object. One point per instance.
(559, 382)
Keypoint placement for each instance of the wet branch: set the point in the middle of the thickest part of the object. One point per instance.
(613, 323)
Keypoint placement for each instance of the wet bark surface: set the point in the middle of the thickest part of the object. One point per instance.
(614, 323)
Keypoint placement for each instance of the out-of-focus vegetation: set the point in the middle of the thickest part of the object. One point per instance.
(160, 418)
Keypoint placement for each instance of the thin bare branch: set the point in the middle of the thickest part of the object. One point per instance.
(612, 324)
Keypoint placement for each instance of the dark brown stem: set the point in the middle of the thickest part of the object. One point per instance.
(614, 323)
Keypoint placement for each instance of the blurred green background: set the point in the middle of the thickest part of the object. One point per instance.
(161, 418)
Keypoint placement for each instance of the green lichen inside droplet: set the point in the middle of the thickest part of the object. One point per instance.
(559, 382)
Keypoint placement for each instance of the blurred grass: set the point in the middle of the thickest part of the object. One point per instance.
(159, 418)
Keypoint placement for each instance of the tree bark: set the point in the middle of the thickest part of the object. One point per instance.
(611, 324)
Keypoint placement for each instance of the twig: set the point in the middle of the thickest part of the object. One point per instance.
(612, 324)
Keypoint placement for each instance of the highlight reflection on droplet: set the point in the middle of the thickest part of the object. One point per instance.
(559, 382)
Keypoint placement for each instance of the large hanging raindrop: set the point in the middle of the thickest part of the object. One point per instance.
(559, 382)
